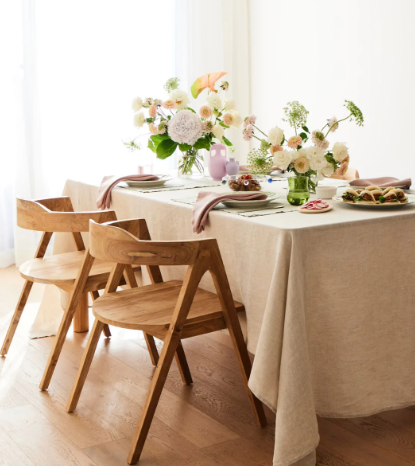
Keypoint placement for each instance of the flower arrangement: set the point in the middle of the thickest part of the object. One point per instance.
(290, 154)
(173, 124)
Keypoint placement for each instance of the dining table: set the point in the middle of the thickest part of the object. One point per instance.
(329, 298)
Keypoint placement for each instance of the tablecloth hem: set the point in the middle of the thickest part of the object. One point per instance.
(372, 412)
(299, 457)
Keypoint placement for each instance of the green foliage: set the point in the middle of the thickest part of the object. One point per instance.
(296, 114)
(131, 145)
(260, 161)
(202, 143)
(166, 148)
(155, 140)
(304, 136)
(171, 84)
(185, 147)
(226, 141)
(305, 129)
(357, 114)
(265, 145)
(223, 125)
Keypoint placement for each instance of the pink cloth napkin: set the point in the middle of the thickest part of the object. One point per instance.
(383, 182)
(206, 201)
(108, 183)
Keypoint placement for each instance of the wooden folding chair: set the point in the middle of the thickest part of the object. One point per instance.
(57, 215)
(169, 311)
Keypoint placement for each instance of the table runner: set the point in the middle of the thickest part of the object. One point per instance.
(329, 304)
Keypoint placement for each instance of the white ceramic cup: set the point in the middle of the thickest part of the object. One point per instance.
(326, 192)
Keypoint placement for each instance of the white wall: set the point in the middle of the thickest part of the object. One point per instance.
(321, 52)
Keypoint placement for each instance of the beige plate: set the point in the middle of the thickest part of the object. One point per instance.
(255, 203)
(150, 184)
(305, 211)
(411, 200)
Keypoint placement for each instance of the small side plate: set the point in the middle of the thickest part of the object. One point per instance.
(305, 211)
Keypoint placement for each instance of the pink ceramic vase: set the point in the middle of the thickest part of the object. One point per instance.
(217, 162)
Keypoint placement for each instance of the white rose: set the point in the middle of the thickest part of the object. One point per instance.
(180, 98)
(214, 101)
(318, 163)
(283, 158)
(237, 120)
(315, 152)
(137, 104)
(275, 136)
(139, 119)
(328, 170)
(218, 132)
(230, 104)
(340, 151)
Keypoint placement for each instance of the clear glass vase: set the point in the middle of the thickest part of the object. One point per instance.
(191, 164)
(299, 191)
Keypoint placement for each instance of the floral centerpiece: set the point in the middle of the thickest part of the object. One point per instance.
(290, 153)
(173, 124)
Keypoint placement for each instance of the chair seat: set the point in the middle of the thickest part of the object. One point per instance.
(150, 308)
(62, 269)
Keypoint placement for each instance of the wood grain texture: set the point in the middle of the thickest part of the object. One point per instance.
(206, 424)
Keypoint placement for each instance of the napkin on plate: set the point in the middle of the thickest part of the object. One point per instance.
(206, 201)
(108, 183)
(383, 182)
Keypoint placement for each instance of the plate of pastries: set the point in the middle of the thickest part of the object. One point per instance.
(375, 196)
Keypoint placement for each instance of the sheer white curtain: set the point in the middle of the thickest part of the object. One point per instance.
(69, 70)
(214, 36)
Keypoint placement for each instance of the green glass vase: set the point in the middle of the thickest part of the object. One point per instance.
(298, 190)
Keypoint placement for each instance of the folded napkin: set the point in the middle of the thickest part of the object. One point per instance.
(109, 182)
(384, 182)
(206, 201)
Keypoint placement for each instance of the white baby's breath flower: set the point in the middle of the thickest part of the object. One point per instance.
(180, 98)
(275, 136)
(137, 104)
(283, 158)
(218, 132)
(139, 119)
(214, 101)
(185, 127)
(340, 151)
(230, 104)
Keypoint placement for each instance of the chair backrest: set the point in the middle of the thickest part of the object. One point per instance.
(56, 215)
(128, 242)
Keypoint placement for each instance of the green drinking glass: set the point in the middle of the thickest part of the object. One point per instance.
(299, 191)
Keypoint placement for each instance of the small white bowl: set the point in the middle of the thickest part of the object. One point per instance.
(326, 192)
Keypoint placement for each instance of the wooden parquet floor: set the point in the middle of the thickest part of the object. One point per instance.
(208, 424)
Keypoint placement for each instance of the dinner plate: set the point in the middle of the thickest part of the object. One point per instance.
(254, 203)
(411, 200)
(150, 184)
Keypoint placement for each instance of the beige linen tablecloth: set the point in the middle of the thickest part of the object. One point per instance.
(329, 303)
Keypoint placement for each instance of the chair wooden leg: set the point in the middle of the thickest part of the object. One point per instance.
(245, 364)
(183, 366)
(16, 317)
(107, 331)
(57, 348)
(85, 365)
(152, 348)
(153, 397)
(76, 296)
(223, 290)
